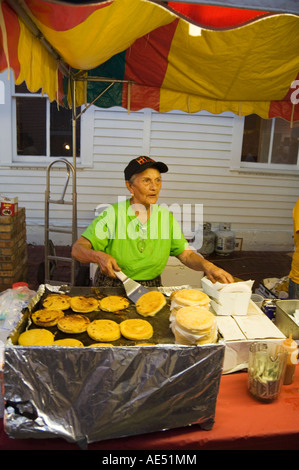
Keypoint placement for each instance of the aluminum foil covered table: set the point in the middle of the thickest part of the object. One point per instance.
(90, 394)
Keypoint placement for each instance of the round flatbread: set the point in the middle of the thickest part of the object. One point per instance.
(100, 344)
(150, 303)
(136, 328)
(104, 330)
(195, 319)
(36, 337)
(73, 324)
(47, 317)
(84, 304)
(211, 337)
(113, 303)
(57, 301)
(195, 325)
(69, 342)
(188, 297)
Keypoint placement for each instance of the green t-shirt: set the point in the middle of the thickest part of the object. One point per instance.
(141, 250)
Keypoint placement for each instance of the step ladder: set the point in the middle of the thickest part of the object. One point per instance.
(51, 258)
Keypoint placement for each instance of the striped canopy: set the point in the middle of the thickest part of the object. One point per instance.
(164, 56)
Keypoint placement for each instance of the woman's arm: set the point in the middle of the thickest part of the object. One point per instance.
(198, 263)
(82, 251)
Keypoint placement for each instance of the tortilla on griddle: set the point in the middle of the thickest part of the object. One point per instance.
(73, 324)
(36, 337)
(83, 304)
(47, 317)
(150, 303)
(104, 330)
(113, 303)
(135, 328)
(57, 301)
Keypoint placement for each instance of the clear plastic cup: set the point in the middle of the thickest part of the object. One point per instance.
(257, 299)
(266, 368)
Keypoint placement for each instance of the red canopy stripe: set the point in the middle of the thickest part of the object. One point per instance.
(148, 56)
(12, 30)
(288, 108)
(215, 16)
(150, 49)
(136, 100)
(62, 17)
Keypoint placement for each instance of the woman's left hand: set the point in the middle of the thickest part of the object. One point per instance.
(216, 274)
(198, 263)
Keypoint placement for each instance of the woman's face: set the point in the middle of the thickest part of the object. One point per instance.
(145, 187)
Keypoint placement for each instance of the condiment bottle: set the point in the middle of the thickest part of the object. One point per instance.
(291, 347)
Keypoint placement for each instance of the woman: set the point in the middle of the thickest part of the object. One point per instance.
(137, 236)
(294, 273)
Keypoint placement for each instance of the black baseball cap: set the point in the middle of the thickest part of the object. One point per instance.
(140, 164)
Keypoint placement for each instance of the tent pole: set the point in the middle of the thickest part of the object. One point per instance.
(74, 195)
(74, 121)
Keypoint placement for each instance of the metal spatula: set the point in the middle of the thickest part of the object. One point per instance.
(133, 289)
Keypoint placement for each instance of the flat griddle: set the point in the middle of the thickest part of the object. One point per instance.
(160, 322)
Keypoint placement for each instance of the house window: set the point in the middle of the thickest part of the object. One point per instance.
(270, 143)
(42, 128)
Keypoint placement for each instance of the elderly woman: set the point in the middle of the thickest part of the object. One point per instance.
(137, 236)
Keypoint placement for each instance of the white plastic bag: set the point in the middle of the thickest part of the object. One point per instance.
(12, 302)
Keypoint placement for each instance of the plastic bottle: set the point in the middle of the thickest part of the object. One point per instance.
(12, 303)
(291, 347)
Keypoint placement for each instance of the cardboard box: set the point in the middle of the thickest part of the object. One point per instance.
(239, 332)
(8, 206)
(266, 293)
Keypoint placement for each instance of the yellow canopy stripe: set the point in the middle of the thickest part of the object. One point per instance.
(226, 65)
(37, 66)
(105, 32)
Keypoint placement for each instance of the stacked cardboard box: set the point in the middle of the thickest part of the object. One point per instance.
(13, 249)
(8, 205)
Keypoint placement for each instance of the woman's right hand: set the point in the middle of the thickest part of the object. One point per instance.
(82, 251)
(107, 263)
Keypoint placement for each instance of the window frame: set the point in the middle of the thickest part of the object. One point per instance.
(29, 158)
(237, 164)
(8, 132)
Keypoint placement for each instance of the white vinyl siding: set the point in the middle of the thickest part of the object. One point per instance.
(198, 148)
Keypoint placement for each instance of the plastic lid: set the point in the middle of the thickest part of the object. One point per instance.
(288, 341)
(19, 284)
